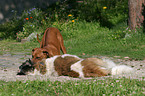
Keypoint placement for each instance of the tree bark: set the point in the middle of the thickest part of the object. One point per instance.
(136, 17)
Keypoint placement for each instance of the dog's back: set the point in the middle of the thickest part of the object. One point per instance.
(52, 37)
(50, 45)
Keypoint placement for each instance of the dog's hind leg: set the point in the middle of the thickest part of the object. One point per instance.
(63, 48)
(60, 38)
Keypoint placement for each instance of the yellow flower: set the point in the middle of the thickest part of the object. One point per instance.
(69, 15)
(104, 7)
(73, 21)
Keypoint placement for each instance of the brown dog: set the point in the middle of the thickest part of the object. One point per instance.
(50, 45)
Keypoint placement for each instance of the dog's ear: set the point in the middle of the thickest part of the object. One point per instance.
(33, 50)
(25, 64)
(30, 61)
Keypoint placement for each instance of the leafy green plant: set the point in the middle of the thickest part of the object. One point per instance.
(89, 10)
(91, 39)
(32, 19)
(9, 29)
(68, 26)
(117, 35)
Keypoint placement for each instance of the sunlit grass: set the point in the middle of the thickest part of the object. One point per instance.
(91, 39)
(86, 39)
(14, 47)
(94, 87)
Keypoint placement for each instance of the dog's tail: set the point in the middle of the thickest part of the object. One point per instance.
(117, 69)
(38, 39)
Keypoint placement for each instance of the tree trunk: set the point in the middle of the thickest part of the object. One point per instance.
(136, 17)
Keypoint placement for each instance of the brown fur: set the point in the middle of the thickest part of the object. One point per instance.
(41, 67)
(62, 66)
(92, 69)
(51, 44)
(70, 65)
(97, 61)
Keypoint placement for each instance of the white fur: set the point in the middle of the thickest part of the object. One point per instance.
(117, 69)
(108, 63)
(77, 67)
(121, 69)
(35, 72)
(64, 55)
(50, 66)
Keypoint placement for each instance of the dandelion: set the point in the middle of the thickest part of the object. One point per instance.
(27, 18)
(69, 15)
(73, 21)
(104, 8)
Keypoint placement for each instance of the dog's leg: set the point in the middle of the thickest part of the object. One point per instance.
(63, 48)
(60, 39)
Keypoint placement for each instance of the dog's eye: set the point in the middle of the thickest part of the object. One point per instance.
(32, 56)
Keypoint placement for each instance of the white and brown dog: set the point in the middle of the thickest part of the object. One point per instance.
(73, 66)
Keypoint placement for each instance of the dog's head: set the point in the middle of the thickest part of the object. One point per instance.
(38, 54)
(26, 67)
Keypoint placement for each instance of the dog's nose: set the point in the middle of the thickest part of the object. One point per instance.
(21, 73)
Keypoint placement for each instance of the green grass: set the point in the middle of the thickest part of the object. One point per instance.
(94, 40)
(79, 38)
(106, 87)
(13, 47)
(91, 39)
